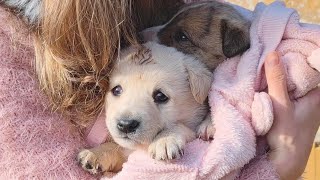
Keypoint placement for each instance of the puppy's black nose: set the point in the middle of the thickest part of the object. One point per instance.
(128, 126)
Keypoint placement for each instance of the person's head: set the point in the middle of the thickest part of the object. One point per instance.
(77, 41)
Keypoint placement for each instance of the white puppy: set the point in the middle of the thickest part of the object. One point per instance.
(157, 101)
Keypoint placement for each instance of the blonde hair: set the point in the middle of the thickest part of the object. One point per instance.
(76, 43)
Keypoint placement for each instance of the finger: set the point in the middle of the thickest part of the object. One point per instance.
(276, 79)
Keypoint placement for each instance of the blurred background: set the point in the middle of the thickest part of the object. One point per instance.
(309, 10)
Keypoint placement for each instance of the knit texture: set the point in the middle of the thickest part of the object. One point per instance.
(34, 142)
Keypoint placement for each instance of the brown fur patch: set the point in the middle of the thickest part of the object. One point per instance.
(143, 56)
(211, 31)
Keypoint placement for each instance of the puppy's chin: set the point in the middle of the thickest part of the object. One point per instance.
(127, 143)
(134, 141)
(131, 143)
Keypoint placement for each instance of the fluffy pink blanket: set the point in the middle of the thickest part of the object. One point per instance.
(38, 144)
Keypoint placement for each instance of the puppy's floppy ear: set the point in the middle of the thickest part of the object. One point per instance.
(200, 79)
(235, 37)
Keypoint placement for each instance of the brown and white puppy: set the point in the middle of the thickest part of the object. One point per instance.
(211, 31)
(157, 101)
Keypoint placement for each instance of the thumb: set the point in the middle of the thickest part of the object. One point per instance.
(276, 79)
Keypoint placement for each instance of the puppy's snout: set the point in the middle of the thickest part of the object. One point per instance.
(128, 125)
(150, 34)
(147, 35)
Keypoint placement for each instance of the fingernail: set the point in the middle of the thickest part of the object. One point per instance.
(272, 59)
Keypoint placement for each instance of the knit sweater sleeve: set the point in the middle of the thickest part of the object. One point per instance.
(35, 143)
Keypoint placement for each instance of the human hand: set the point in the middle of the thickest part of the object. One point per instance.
(295, 123)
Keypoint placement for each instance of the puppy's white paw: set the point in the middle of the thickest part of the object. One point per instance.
(206, 130)
(166, 148)
(90, 162)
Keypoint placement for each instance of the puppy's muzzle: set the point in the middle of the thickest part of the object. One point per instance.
(150, 34)
(128, 125)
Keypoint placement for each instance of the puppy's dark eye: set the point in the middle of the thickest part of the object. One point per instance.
(159, 97)
(117, 90)
(181, 36)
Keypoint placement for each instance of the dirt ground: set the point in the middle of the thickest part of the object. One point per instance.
(309, 10)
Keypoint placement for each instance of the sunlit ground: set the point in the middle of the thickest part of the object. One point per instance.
(309, 10)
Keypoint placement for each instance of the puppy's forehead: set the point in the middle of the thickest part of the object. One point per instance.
(153, 54)
(142, 56)
(201, 14)
(197, 19)
(150, 60)
(202, 11)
